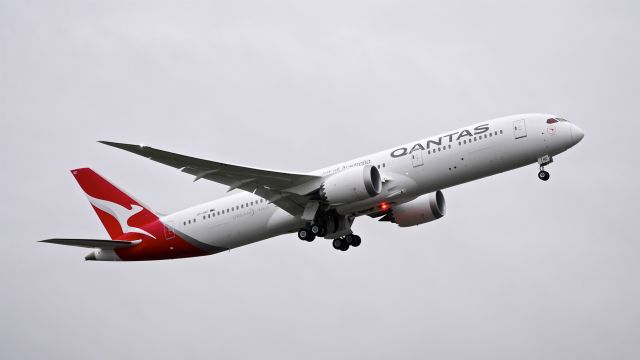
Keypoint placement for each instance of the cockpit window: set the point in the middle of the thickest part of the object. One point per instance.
(551, 121)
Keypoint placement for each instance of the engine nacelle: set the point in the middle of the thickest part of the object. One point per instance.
(420, 210)
(352, 185)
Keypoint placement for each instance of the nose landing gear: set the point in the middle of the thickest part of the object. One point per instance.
(545, 160)
(543, 175)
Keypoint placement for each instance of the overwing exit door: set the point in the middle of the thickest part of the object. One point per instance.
(519, 129)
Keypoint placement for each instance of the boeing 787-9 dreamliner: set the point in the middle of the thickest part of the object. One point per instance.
(401, 185)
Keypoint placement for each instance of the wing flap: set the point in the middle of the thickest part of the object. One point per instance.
(94, 243)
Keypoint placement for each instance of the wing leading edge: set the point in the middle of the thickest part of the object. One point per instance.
(286, 190)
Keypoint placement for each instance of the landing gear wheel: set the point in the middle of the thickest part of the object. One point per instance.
(340, 244)
(306, 235)
(353, 240)
(356, 241)
(318, 230)
(543, 175)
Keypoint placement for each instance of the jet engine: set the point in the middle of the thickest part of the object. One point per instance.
(418, 211)
(352, 185)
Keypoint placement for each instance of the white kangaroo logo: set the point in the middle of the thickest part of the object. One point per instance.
(121, 213)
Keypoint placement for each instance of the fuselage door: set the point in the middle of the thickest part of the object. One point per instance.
(519, 129)
(416, 158)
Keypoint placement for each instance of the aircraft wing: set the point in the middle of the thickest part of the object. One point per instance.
(94, 243)
(286, 190)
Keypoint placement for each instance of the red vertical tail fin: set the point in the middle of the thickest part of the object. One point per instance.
(119, 212)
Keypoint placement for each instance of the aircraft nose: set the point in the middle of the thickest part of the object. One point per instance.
(576, 134)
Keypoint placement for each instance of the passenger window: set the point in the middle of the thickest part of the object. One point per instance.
(500, 131)
(490, 134)
(189, 221)
(464, 141)
(184, 223)
(384, 165)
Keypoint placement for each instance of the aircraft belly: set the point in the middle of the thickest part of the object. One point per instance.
(459, 167)
(251, 227)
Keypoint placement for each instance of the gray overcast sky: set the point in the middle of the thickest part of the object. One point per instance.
(518, 269)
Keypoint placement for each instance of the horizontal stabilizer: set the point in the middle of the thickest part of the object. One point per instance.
(94, 243)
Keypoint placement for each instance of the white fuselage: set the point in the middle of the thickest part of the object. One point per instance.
(410, 170)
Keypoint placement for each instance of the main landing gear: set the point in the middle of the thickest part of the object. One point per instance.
(545, 160)
(306, 235)
(310, 233)
(342, 243)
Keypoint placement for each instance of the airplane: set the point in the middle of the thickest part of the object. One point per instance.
(401, 185)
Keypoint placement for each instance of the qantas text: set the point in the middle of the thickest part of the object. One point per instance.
(480, 129)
